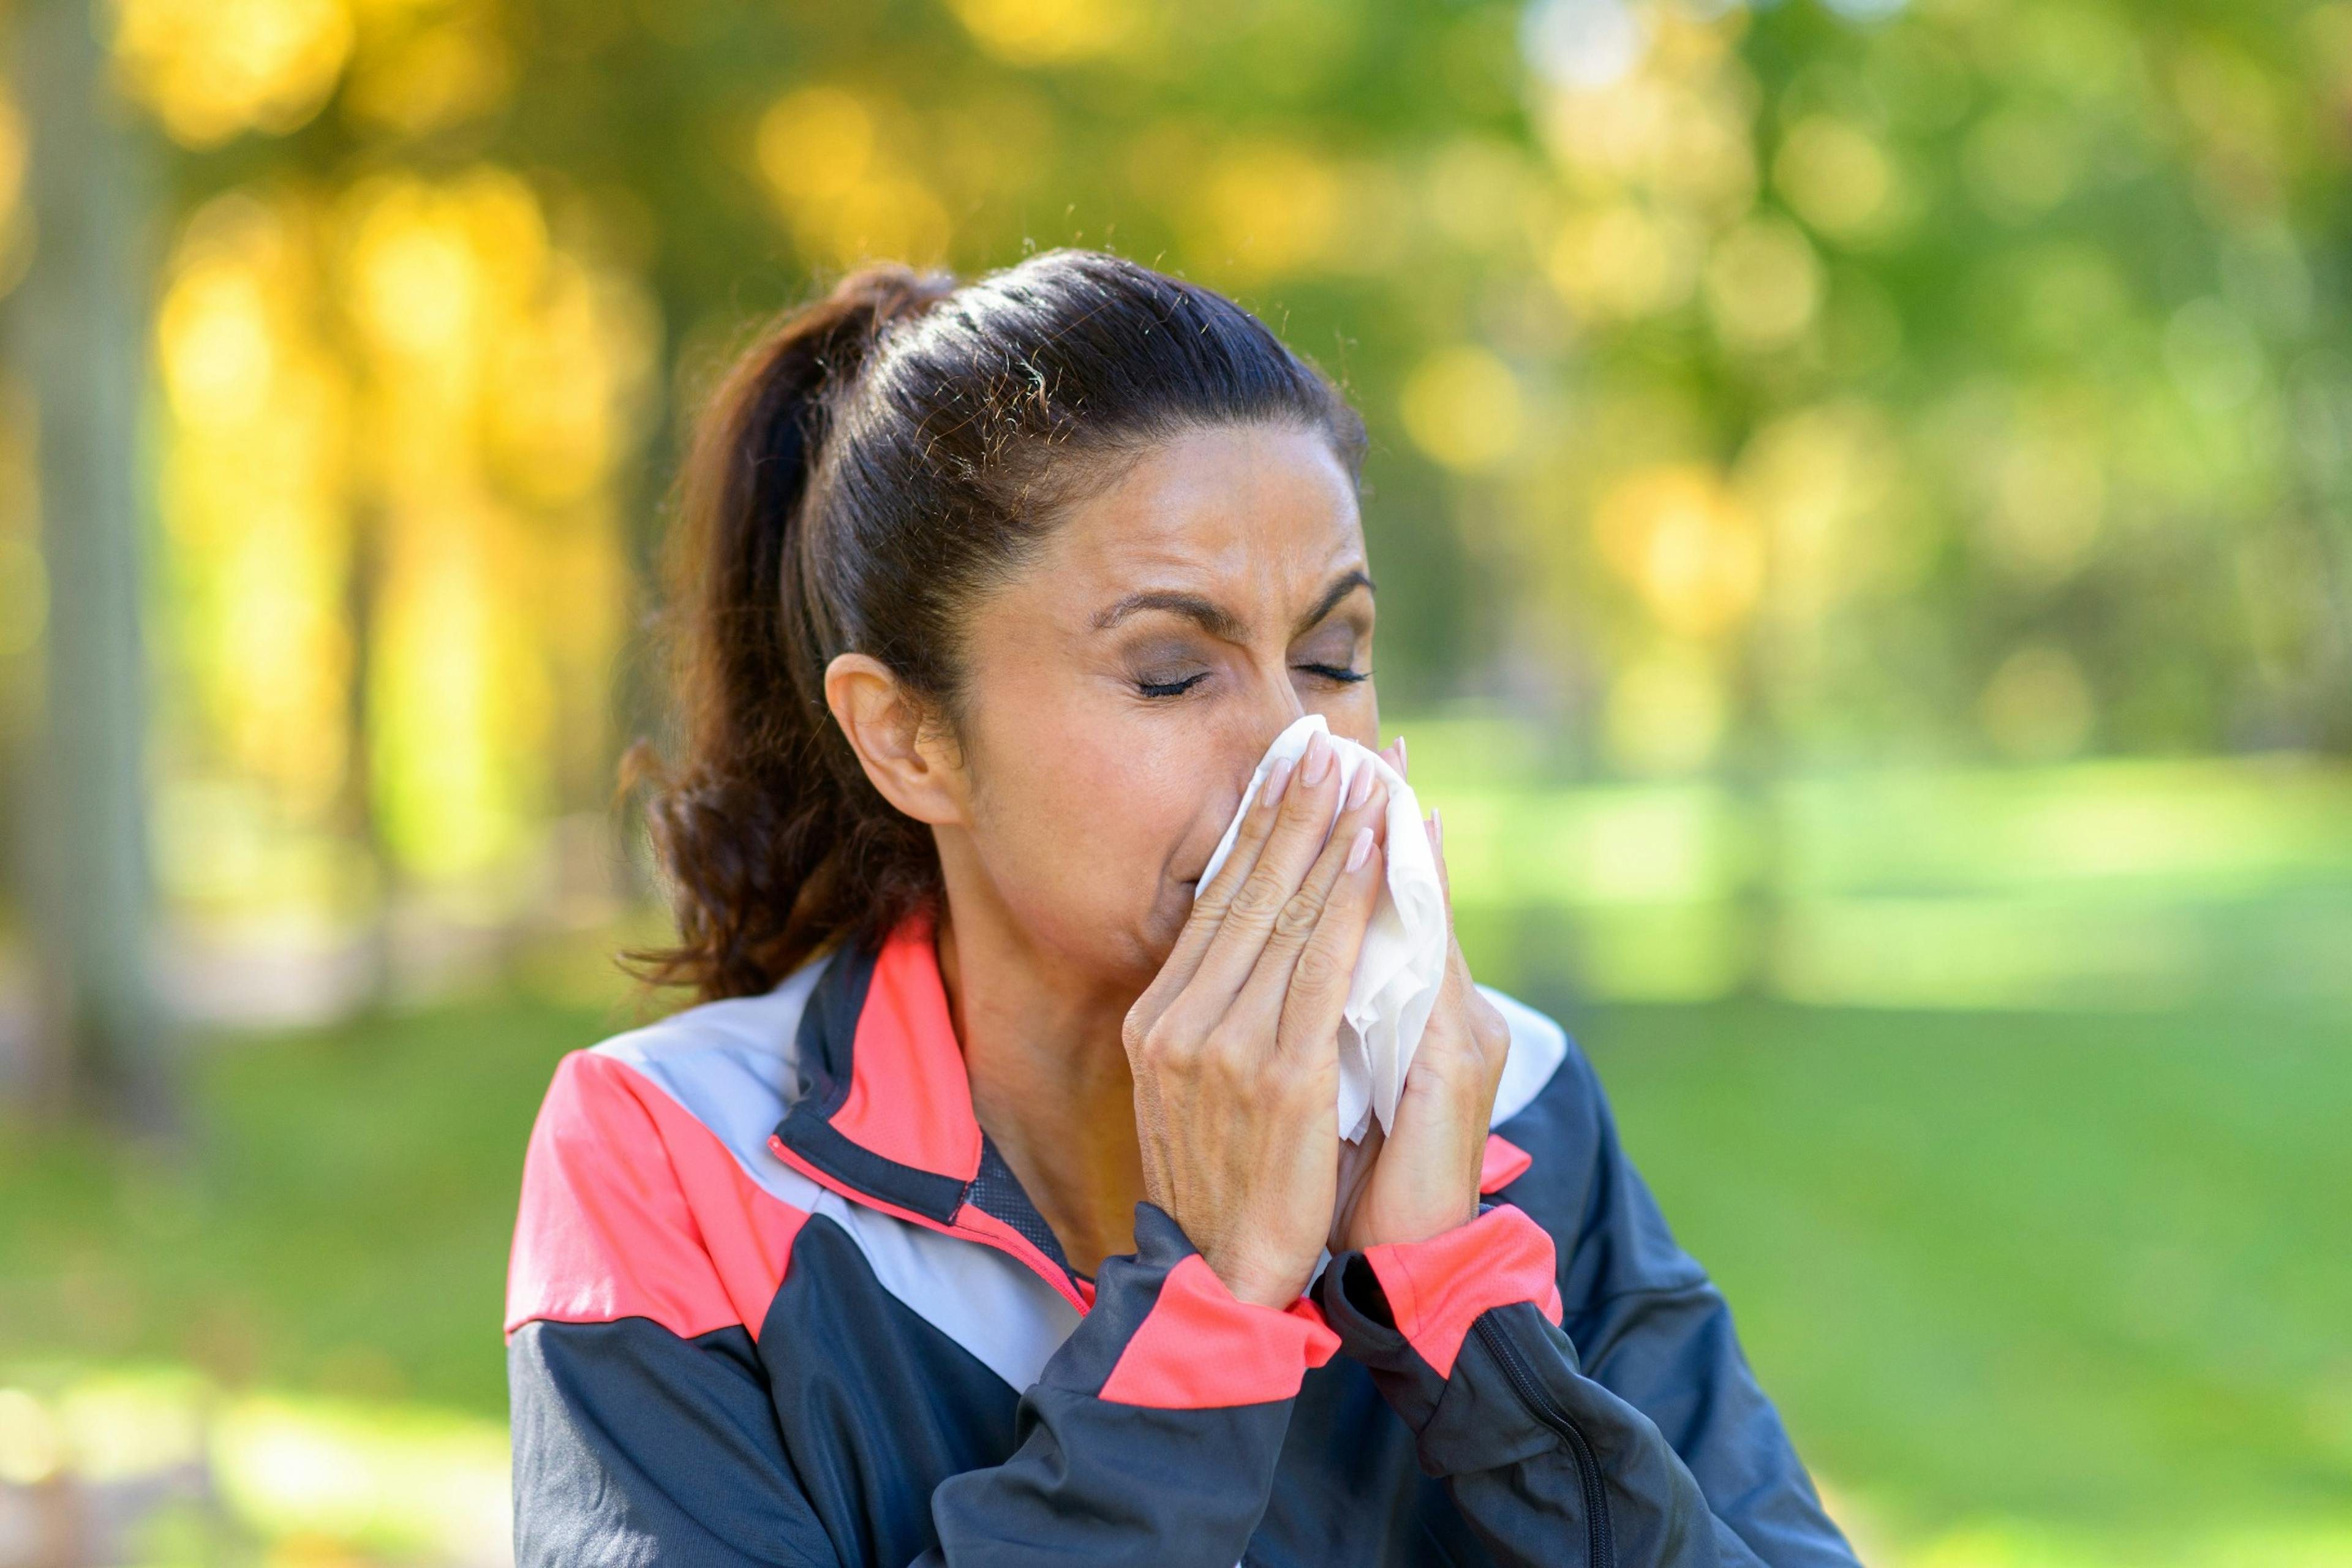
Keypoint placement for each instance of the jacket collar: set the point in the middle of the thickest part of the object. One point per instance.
(885, 1117)
(886, 1108)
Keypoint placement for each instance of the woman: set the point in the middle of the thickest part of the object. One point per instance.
(991, 1207)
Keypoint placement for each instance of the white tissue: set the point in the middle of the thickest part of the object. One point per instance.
(1404, 958)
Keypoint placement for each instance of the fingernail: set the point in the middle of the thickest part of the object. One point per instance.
(1275, 783)
(1318, 762)
(1358, 788)
(1400, 762)
(1360, 850)
(1437, 825)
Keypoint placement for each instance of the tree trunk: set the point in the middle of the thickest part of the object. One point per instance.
(80, 339)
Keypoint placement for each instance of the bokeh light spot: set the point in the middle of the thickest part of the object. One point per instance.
(1463, 406)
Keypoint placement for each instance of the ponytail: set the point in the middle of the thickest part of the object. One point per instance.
(866, 470)
(772, 836)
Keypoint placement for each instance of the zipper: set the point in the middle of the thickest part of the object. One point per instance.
(1599, 1538)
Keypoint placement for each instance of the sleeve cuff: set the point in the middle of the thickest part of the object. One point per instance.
(1167, 1334)
(1435, 1290)
(1405, 1313)
(1200, 1348)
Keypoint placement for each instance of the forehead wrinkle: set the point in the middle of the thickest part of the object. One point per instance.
(1215, 547)
(1221, 623)
(1211, 616)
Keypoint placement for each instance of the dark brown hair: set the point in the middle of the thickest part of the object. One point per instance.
(864, 473)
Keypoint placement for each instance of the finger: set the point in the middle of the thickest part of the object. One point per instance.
(1432, 828)
(1433, 824)
(1270, 977)
(1326, 966)
(1302, 822)
(1211, 901)
(1249, 842)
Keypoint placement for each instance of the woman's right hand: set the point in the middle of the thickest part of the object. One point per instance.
(1234, 1046)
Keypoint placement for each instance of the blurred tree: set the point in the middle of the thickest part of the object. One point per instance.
(79, 322)
(1753, 388)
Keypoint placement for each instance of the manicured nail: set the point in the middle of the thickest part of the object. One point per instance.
(1400, 750)
(1358, 788)
(1275, 783)
(1317, 762)
(1360, 850)
(1437, 827)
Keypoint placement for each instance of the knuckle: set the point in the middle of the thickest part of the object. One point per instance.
(1210, 905)
(1318, 968)
(1147, 1029)
(1167, 1046)
(1258, 900)
(1299, 914)
(1230, 1056)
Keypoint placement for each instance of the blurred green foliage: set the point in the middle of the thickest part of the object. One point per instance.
(1754, 388)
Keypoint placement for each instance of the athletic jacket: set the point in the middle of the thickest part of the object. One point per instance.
(775, 1299)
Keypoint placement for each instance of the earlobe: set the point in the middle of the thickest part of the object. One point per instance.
(883, 723)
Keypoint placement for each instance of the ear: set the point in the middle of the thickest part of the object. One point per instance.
(914, 768)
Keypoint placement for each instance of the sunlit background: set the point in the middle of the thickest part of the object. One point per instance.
(1861, 497)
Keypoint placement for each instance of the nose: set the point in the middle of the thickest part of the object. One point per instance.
(1246, 732)
(1276, 711)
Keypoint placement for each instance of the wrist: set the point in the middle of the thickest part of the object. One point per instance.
(1256, 1286)
(1429, 1228)
(1406, 1225)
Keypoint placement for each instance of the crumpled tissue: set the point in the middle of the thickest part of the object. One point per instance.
(1402, 962)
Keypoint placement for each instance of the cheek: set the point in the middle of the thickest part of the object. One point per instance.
(1078, 825)
(1104, 803)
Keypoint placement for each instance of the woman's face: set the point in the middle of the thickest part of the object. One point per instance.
(1120, 691)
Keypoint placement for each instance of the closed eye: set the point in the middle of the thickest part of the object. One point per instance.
(1170, 689)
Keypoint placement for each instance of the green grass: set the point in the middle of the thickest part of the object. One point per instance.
(2095, 1271)
(337, 1220)
(2090, 1274)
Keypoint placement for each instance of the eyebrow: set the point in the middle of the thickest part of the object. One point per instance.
(1214, 618)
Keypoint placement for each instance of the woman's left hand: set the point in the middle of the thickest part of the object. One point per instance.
(1421, 1179)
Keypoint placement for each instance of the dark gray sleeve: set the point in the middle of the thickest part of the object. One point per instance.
(1153, 1436)
(633, 1446)
(1633, 1432)
(1649, 1327)
(1150, 1438)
